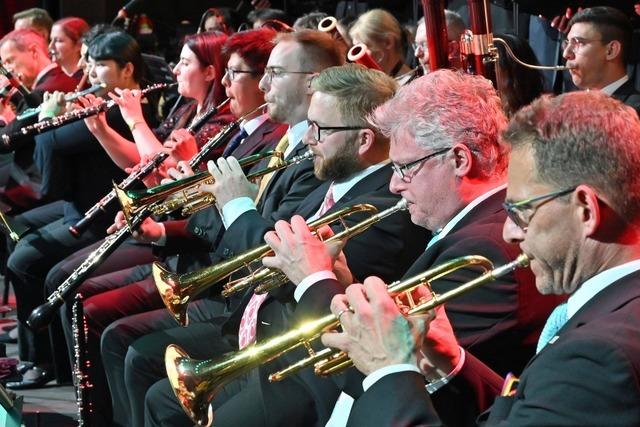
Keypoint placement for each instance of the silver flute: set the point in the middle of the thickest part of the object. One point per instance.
(70, 97)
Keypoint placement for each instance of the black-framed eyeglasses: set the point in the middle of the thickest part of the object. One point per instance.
(316, 129)
(232, 73)
(522, 212)
(577, 43)
(404, 171)
(271, 72)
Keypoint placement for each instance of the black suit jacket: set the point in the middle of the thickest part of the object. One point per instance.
(386, 249)
(628, 94)
(587, 377)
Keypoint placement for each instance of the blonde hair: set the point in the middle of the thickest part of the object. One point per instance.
(359, 90)
(376, 26)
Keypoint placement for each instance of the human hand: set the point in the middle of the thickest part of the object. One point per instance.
(154, 177)
(298, 253)
(148, 232)
(182, 145)
(374, 333)
(229, 181)
(96, 123)
(181, 171)
(52, 105)
(130, 103)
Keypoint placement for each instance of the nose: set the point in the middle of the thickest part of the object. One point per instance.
(226, 81)
(51, 45)
(568, 53)
(397, 185)
(307, 138)
(265, 83)
(511, 233)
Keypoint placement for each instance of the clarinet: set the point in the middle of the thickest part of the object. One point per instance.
(89, 216)
(81, 379)
(70, 117)
(42, 315)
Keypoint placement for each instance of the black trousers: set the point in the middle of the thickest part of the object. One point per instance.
(133, 352)
(28, 266)
(128, 255)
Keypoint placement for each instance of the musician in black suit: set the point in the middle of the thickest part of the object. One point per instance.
(597, 51)
(452, 174)
(572, 203)
(352, 158)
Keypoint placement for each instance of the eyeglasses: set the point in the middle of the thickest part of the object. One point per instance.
(232, 74)
(522, 212)
(404, 171)
(577, 43)
(421, 45)
(271, 72)
(317, 129)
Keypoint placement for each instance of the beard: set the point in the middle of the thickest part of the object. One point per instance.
(340, 166)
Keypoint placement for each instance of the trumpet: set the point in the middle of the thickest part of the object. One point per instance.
(196, 383)
(70, 117)
(267, 279)
(191, 199)
(30, 112)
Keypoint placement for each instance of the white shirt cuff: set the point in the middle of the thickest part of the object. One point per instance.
(311, 280)
(431, 387)
(162, 241)
(234, 208)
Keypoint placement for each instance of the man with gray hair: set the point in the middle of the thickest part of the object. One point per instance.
(450, 167)
(573, 206)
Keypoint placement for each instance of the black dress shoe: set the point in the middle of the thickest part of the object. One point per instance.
(7, 339)
(23, 367)
(35, 377)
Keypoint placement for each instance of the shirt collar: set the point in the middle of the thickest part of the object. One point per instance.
(612, 87)
(597, 283)
(442, 233)
(295, 134)
(250, 126)
(43, 72)
(342, 188)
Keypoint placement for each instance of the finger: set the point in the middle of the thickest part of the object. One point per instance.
(213, 170)
(335, 247)
(170, 144)
(285, 234)
(338, 340)
(339, 303)
(555, 21)
(325, 232)
(234, 165)
(377, 294)
(358, 302)
(272, 239)
(112, 229)
(299, 227)
(223, 166)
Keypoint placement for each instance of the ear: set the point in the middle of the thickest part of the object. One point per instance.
(614, 49)
(588, 209)
(463, 160)
(209, 73)
(309, 78)
(127, 70)
(366, 139)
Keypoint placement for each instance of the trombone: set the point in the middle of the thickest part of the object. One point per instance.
(177, 290)
(196, 382)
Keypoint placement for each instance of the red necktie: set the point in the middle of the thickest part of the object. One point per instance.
(327, 203)
(249, 321)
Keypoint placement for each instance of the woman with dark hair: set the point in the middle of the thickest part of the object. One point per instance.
(65, 43)
(517, 85)
(199, 74)
(75, 169)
